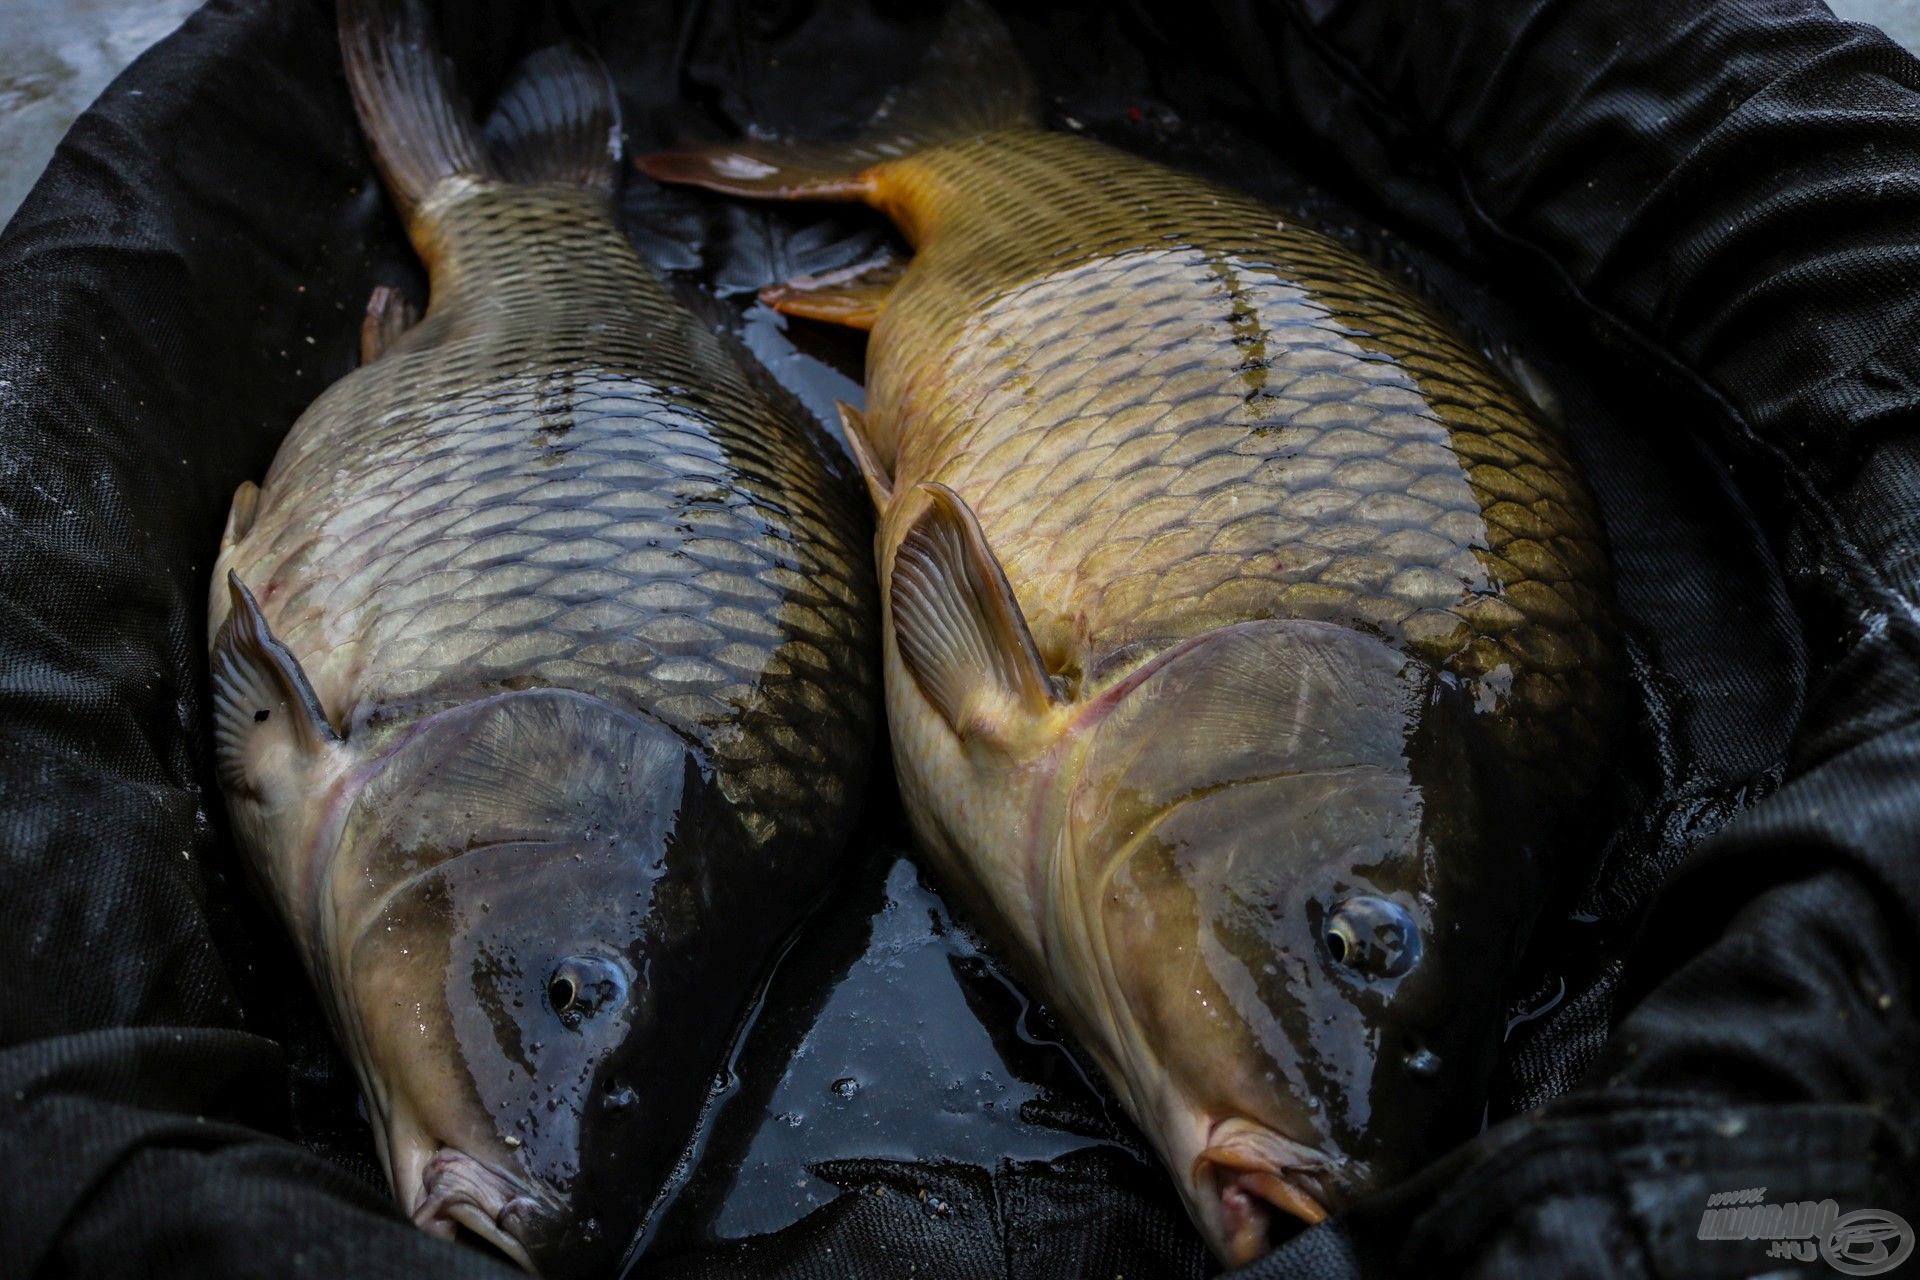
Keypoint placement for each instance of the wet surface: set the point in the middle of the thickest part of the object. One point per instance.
(889, 1040)
(888, 1033)
(59, 55)
(55, 58)
(891, 1044)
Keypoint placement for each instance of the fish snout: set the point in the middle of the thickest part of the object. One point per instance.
(458, 1191)
(1246, 1174)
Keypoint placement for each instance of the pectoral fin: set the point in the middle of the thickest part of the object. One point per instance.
(246, 504)
(854, 297)
(389, 314)
(265, 713)
(959, 628)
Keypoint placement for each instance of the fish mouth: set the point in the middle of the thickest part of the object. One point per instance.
(1246, 1175)
(458, 1191)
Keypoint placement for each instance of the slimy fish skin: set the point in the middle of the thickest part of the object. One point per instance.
(1245, 634)
(544, 674)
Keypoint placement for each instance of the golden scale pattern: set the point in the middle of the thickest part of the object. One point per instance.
(1172, 410)
(559, 479)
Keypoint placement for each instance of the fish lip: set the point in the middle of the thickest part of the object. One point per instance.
(1300, 1190)
(458, 1190)
(1248, 1171)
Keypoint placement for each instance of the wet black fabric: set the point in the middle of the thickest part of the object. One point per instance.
(1728, 194)
(1700, 222)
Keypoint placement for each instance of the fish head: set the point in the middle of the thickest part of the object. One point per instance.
(537, 977)
(1294, 922)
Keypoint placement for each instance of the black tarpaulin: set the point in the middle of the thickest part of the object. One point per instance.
(1699, 222)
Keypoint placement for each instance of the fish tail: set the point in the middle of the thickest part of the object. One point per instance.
(410, 107)
(971, 82)
(557, 121)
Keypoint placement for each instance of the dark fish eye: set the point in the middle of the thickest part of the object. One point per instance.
(582, 986)
(1374, 937)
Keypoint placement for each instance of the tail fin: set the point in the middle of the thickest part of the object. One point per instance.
(557, 120)
(972, 81)
(408, 103)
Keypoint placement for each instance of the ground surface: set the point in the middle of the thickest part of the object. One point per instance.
(55, 57)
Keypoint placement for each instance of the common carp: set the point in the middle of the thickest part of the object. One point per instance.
(544, 673)
(1245, 636)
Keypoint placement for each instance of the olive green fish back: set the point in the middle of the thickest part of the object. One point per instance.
(560, 478)
(1172, 409)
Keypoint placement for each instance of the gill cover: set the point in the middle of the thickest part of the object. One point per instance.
(1281, 877)
(518, 901)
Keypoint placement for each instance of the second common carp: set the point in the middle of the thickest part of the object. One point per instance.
(1244, 632)
(543, 674)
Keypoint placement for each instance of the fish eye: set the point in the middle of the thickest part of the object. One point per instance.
(583, 986)
(1374, 937)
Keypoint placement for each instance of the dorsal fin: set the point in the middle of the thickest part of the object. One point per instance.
(265, 712)
(959, 628)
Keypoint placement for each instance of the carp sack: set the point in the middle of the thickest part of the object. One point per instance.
(1243, 632)
(543, 670)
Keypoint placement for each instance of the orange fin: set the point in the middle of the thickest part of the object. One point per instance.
(959, 628)
(768, 169)
(853, 297)
(971, 82)
(558, 120)
(879, 485)
(390, 313)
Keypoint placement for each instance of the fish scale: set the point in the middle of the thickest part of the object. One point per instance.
(559, 479)
(1246, 640)
(542, 670)
(1295, 437)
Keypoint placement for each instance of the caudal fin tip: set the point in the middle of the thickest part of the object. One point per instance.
(971, 81)
(669, 166)
(724, 168)
(413, 114)
(767, 170)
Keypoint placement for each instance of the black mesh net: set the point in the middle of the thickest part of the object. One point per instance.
(1698, 223)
